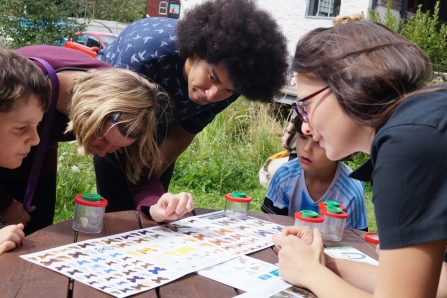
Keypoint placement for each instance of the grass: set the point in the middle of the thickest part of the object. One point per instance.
(226, 156)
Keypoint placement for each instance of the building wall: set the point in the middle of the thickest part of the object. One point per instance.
(152, 7)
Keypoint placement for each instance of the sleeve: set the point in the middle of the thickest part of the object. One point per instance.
(269, 208)
(410, 185)
(6, 198)
(148, 189)
(276, 191)
(356, 208)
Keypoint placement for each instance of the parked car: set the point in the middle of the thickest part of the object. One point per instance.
(90, 42)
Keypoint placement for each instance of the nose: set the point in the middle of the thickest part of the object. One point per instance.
(213, 94)
(34, 138)
(308, 147)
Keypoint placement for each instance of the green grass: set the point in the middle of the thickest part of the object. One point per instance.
(224, 157)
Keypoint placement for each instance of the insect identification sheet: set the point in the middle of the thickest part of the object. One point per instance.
(128, 263)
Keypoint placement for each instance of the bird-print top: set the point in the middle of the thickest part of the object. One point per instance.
(147, 46)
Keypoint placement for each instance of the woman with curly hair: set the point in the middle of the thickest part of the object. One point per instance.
(220, 50)
(361, 88)
(106, 110)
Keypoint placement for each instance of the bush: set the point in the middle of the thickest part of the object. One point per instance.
(424, 30)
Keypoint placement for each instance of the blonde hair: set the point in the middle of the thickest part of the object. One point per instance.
(346, 19)
(97, 95)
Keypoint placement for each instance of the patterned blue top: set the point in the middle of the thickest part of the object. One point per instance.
(288, 189)
(147, 46)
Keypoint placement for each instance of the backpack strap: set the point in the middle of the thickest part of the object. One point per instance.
(44, 134)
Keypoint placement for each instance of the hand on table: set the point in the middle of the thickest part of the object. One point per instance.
(16, 214)
(171, 207)
(300, 253)
(11, 237)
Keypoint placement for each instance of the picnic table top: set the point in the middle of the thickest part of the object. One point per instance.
(20, 278)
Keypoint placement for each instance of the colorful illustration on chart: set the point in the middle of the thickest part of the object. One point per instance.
(129, 263)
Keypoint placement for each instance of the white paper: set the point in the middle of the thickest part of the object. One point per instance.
(349, 253)
(247, 274)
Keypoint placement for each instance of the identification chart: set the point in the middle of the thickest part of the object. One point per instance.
(136, 261)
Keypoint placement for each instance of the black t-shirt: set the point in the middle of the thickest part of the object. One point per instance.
(408, 168)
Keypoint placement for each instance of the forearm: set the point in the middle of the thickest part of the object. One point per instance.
(173, 145)
(442, 287)
(360, 275)
(325, 283)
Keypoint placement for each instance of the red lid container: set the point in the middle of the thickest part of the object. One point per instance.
(322, 205)
(238, 197)
(309, 216)
(90, 200)
(334, 212)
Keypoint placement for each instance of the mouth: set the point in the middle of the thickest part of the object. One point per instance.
(23, 155)
(200, 99)
(305, 160)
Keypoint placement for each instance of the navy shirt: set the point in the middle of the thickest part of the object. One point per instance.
(408, 168)
(147, 46)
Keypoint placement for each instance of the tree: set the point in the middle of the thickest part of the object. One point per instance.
(30, 22)
(125, 11)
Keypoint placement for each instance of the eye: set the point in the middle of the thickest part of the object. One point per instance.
(213, 78)
(22, 128)
(230, 91)
(303, 137)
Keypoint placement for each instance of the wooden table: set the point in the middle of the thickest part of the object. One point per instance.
(20, 278)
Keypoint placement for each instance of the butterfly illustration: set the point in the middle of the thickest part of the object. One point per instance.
(129, 272)
(62, 267)
(45, 255)
(74, 272)
(50, 261)
(77, 254)
(156, 269)
(134, 279)
(90, 275)
(85, 245)
(159, 279)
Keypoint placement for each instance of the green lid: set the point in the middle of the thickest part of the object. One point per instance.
(331, 203)
(92, 197)
(309, 214)
(238, 194)
(334, 210)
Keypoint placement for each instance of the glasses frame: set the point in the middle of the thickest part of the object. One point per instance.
(298, 106)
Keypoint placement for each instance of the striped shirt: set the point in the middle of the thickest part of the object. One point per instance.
(288, 190)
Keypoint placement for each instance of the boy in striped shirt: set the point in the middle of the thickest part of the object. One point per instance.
(311, 178)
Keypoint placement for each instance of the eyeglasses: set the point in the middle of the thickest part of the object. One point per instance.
(299, 105)
(116, 117)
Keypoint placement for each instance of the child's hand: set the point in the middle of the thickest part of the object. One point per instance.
(171, 207)
(11, 237)
(16, 214)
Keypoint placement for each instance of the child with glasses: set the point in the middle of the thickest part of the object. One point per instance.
(302, 183)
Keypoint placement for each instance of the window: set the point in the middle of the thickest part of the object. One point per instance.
(80, 39)
(93, 42)
(163, 8)
(324, 8)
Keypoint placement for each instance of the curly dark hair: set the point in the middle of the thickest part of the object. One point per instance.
(245, 40)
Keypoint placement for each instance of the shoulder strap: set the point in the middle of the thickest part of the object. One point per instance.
(44, 134)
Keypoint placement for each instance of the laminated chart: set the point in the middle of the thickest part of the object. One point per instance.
(136, 261)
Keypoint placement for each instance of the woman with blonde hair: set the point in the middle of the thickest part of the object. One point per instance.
(109, 110)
